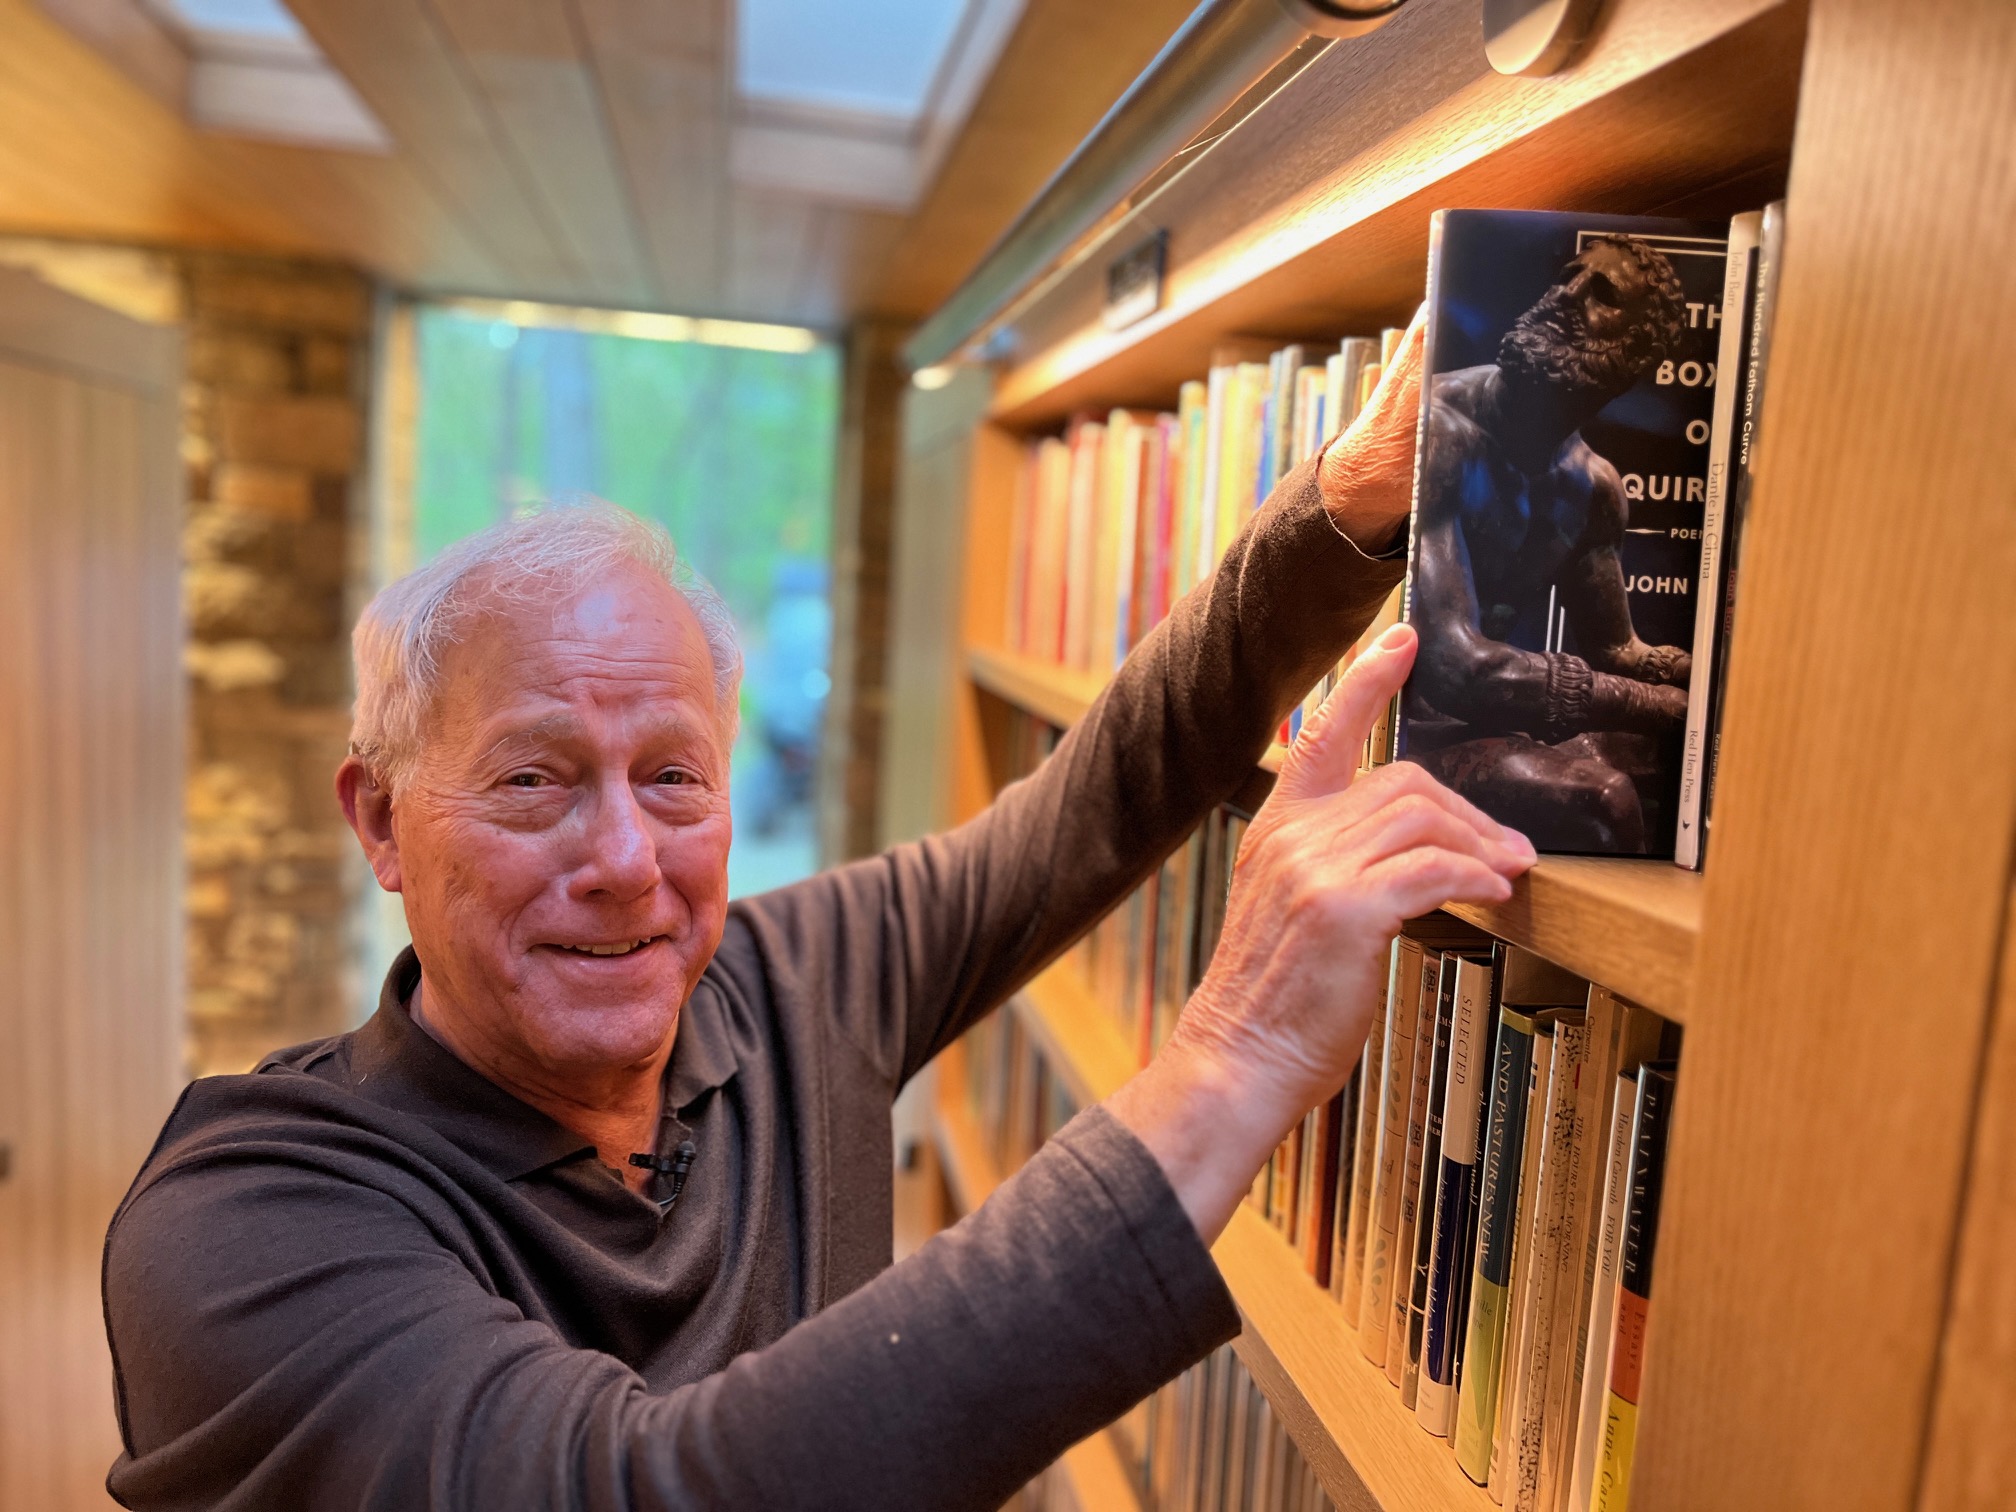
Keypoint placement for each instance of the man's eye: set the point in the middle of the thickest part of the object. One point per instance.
(525, 780)
(673, 777)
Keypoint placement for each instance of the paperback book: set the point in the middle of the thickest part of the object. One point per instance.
(1560, 480)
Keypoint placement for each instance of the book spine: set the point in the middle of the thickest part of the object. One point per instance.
(1549, 1234)
(1708, 600)
(1429, 1192)
(1575, 1264)
(1396, 1081)
(1357, 1213)
(1757, 356)
(1518, 1289)
(1450, 1252)
(1410, 1176)
(1394, 745)
(1634, 1287)
(1491, 1276)
(1603, 1294)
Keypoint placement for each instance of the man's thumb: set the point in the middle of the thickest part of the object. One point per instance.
(1325, 756)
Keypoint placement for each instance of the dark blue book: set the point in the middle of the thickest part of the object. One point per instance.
(1464, 1103)
(1558, 495)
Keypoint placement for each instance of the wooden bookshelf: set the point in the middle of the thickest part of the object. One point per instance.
(1630, 925)
(1836, 1139)
(1274, 238)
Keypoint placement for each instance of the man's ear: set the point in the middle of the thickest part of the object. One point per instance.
(368, 807)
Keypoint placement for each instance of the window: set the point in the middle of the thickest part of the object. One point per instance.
(721, 430)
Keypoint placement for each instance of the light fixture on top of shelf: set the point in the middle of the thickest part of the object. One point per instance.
(934, 377)
(1341, 18)
(1536, 36)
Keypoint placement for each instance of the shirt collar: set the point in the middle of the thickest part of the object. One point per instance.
(398, 1065)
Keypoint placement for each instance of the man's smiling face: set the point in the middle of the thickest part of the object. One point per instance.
(562, 841)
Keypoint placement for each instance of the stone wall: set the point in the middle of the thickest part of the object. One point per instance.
(273, 442)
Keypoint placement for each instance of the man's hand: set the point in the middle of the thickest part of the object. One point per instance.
(1328, 870)
(1367, 474)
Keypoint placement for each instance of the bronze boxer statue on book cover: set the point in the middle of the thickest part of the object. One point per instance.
(1517, 514)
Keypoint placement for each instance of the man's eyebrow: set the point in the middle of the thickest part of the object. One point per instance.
(559, 727)
(551, 727)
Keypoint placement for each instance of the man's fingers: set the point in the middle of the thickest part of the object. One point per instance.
(1325, 756)
(1417, 821)
(1406, 779)
(1420, 881)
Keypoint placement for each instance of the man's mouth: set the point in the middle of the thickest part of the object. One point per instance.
(618, 948)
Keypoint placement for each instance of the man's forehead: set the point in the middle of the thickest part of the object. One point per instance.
(630, 640)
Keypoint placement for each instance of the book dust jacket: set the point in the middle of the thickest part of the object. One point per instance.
(1558, 495)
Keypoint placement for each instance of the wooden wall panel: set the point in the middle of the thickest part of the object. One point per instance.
(1970, 1456)
(928, 694)
(90, 814)
(1855, 894)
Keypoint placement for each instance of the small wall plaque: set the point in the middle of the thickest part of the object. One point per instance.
(1134, 283)
(1536, 36)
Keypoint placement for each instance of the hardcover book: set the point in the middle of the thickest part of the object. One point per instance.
(1558, 494)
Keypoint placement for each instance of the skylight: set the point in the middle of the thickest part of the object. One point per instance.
(253, 70)
(881, 56)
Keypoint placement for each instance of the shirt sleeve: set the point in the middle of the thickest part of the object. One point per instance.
(395, 1379)
(925, 938)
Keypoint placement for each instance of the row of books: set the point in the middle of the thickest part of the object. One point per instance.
(1015, 1097)
(1482, 1201)
(1126, 512)
(1210, 1441)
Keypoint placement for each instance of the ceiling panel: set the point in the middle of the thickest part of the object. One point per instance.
(563, 150)
(529, 64)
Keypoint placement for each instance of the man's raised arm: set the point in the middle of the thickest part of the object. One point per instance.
(959, 920)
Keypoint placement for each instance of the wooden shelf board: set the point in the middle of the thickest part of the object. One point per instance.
(1667, 105)
(1629, 925)
(1056, 694)
(1341, 1411)
(1097, 1476)
(969, 1167)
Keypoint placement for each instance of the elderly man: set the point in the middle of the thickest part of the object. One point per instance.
(595, 1211)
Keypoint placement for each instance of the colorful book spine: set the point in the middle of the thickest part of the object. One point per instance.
(1491, 1278)
(1463, 1108)
(1519, 1289)
(1650, 1126)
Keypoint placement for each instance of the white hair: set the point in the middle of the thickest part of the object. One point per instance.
(548, 556)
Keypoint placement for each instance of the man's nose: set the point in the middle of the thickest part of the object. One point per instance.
(622, 857)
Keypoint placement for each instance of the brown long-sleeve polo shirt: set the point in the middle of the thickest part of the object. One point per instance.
(365, 1277)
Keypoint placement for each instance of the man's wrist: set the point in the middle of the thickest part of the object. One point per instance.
(1209, 1127)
